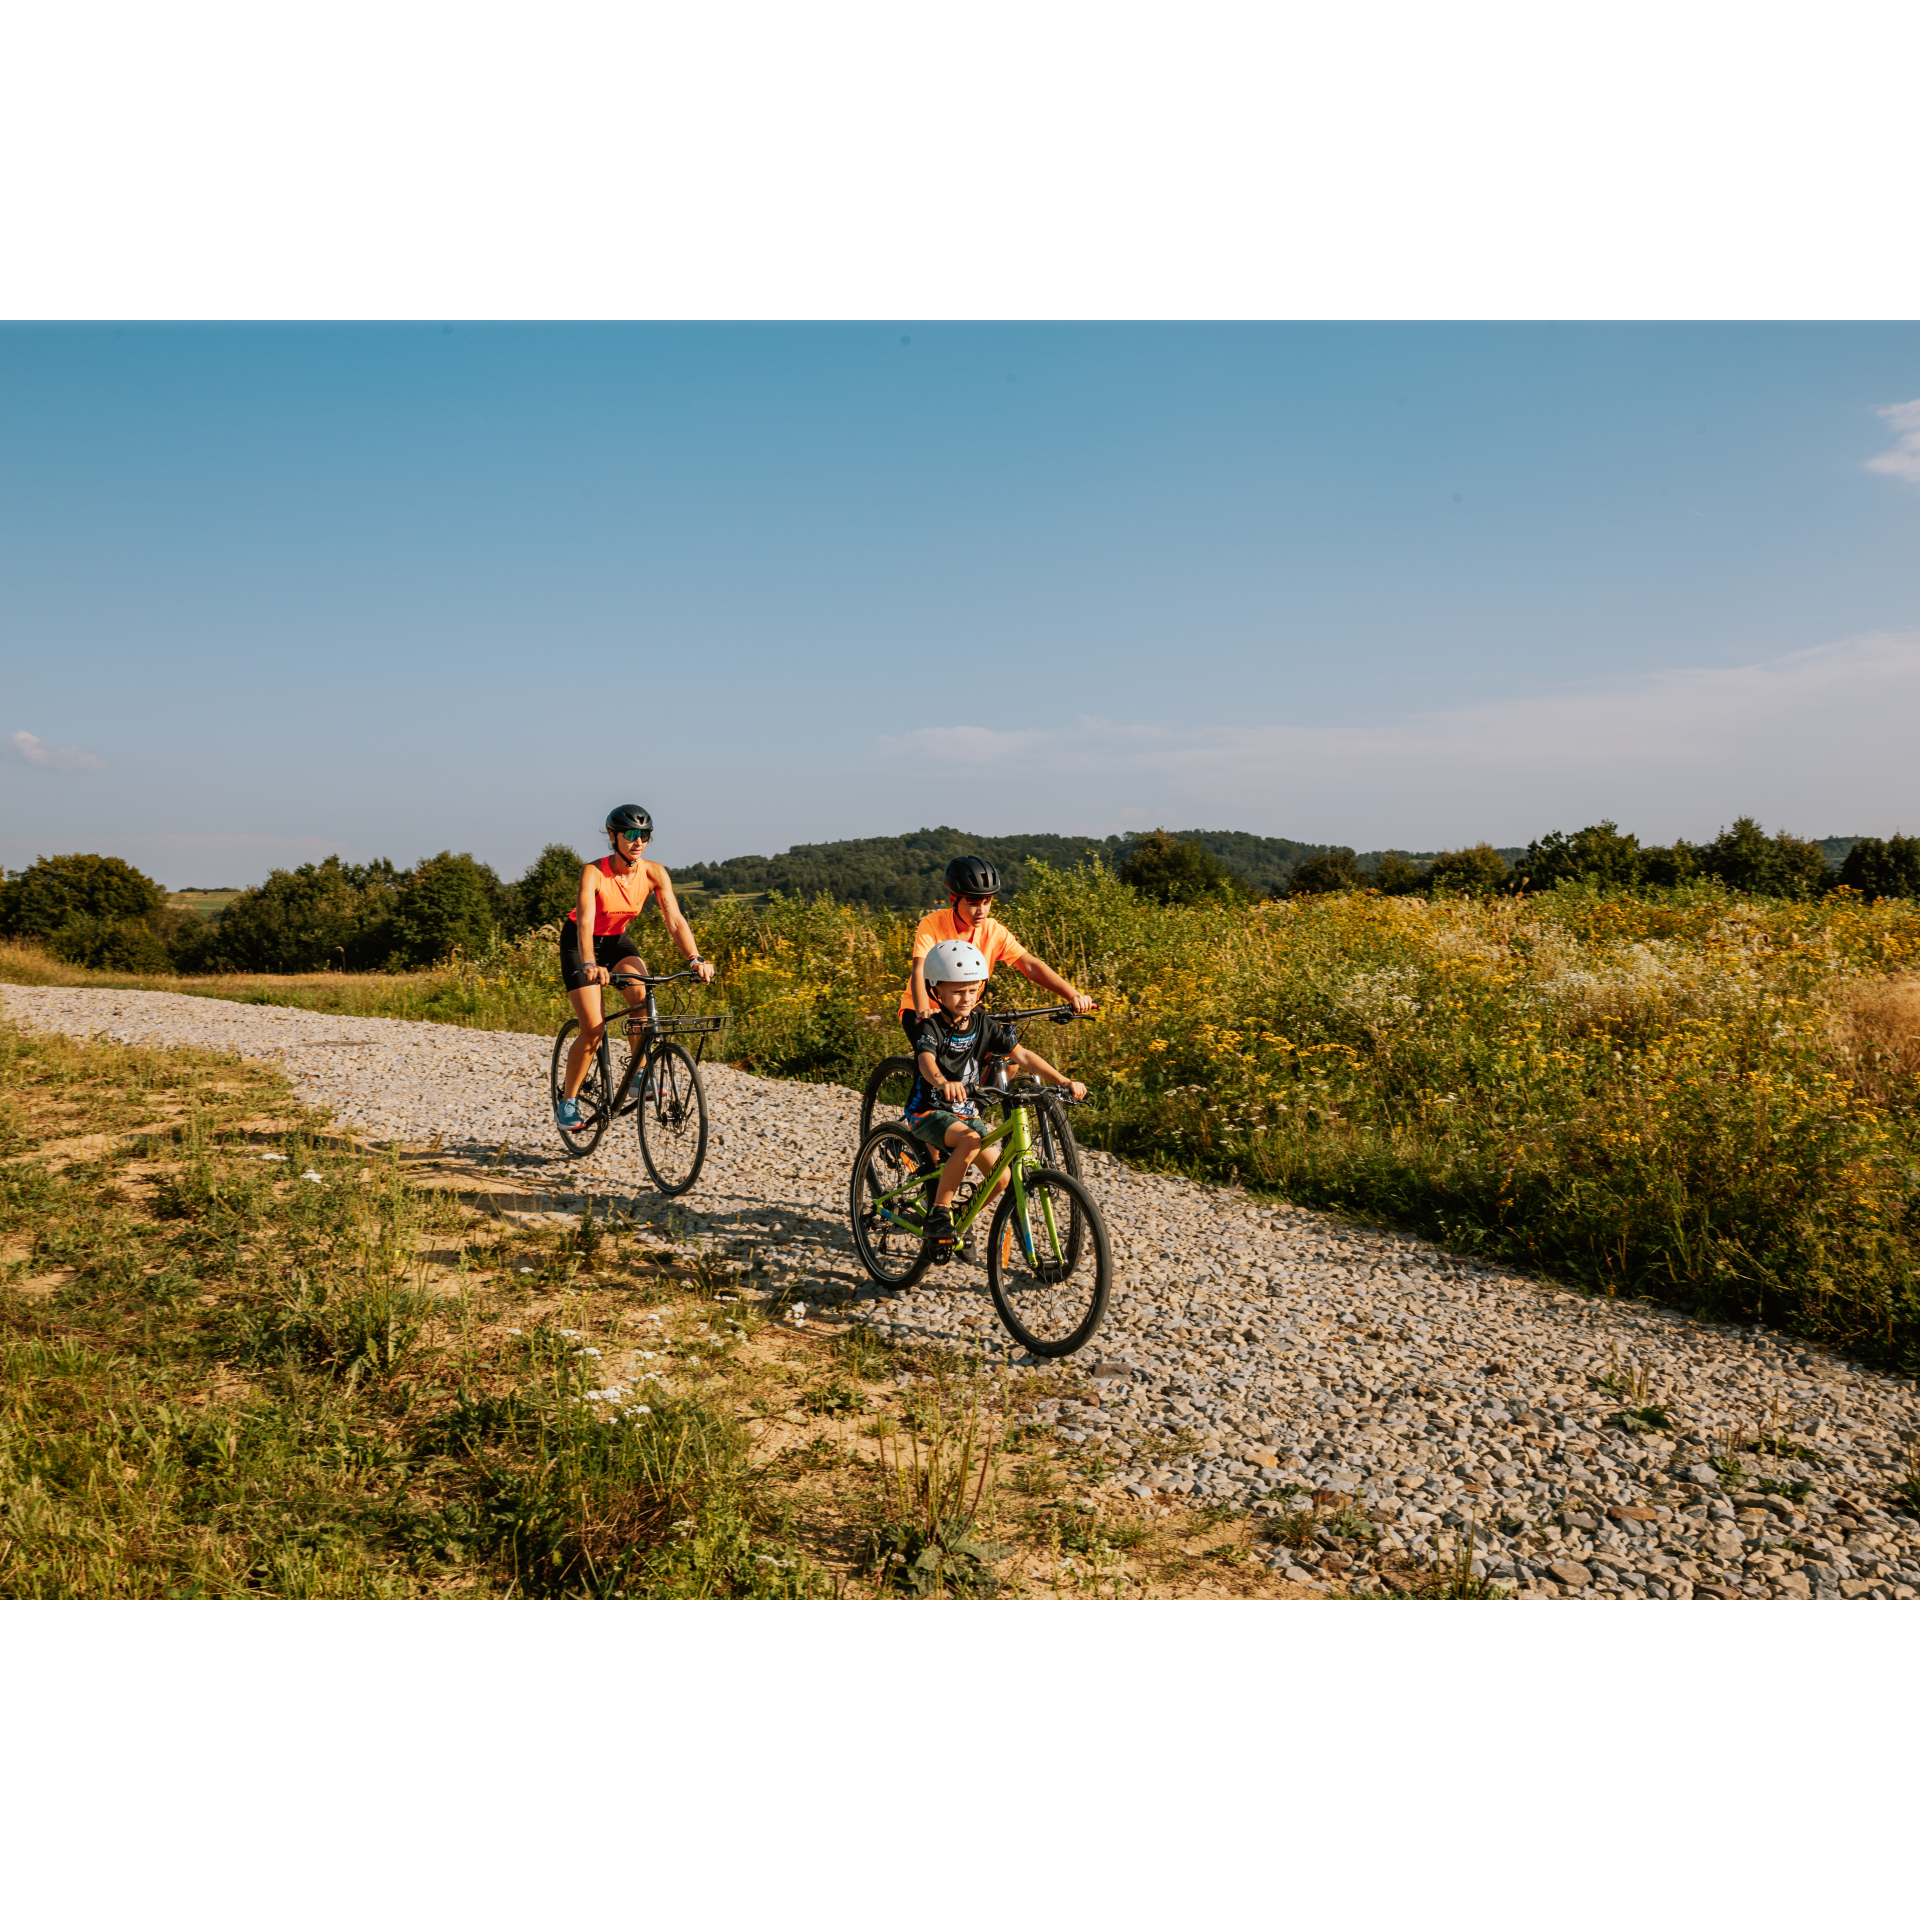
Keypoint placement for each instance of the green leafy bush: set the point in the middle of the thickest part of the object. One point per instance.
(1884, 869)
(1167, 868)
(64, 887)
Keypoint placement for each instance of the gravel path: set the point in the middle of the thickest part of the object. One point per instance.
(1250, 1350)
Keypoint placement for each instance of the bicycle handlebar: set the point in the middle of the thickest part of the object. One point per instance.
(615, 976)
(1060, 1016)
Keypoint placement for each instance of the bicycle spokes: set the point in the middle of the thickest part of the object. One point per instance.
(1048, 1265)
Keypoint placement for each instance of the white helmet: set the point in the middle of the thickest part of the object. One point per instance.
(955, 960)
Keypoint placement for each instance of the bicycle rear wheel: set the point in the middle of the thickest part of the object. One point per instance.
(592, 1095)
(1048, 1266)
(889, 1211)
(673, 1118)
(888, 1086)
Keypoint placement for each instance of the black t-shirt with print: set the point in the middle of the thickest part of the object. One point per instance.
(966, 1056)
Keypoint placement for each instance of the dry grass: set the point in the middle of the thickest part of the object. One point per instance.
(221, 1376)
(1878, 1023)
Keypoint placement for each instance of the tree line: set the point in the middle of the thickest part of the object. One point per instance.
(96, 911)
(1743, 857)
(905, 872)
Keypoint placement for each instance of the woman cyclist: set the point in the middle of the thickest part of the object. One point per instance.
(613, 892)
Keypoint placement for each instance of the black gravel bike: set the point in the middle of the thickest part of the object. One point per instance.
(669, 1099)
(1049, 1267)
(892, 1081)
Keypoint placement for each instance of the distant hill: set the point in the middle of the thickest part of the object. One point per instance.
(904, 871)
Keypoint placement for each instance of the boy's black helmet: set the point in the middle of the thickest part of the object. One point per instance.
(632, 819)
(971, 874)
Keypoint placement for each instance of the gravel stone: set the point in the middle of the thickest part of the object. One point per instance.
(1251, 1351)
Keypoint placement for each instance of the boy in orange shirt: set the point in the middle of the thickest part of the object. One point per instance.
(971, 886)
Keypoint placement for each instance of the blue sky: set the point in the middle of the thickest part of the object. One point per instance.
(272, 591)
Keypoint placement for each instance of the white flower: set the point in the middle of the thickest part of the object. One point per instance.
(513, 1329)
(311, 1175)
(568, 1333)
(273, 1156)
(523, 1269)
(595, 1351)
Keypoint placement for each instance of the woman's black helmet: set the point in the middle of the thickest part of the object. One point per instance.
(971, 874)
(631, 820)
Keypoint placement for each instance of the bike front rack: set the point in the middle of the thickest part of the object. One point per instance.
(647, 1021)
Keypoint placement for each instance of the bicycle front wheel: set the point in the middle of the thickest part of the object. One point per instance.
(1053, 1137)
(1048, 1266)
(888, 1200)
(888, 1086)
(579, 1141)
(673, 1118)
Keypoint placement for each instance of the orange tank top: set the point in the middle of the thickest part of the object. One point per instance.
(619, 897)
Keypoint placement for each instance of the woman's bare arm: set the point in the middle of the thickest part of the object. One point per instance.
(583, 909)
(676, 921)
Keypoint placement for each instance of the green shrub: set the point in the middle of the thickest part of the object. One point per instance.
(1167, 868)
(548, 891)
(1474, 871)
(1884, 869)
(63, 887)
(451, 901)
(305, 920)
(113, 946)
(1337, 871)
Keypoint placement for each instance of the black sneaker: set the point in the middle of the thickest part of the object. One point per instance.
(939, 1233)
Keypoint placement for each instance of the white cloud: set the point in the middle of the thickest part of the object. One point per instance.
(961, 746)
(35, 751)
(1819, 741)
(1903, 463)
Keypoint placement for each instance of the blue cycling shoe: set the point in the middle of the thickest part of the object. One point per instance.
(568, 1114)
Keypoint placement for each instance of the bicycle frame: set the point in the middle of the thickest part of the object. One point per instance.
(1019, 1156)
(646, 1030)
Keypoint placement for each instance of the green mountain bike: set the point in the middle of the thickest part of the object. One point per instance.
(670, 1100)
(1049, 1268)
(894, 1079)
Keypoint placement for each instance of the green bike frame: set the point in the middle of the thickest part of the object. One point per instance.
(1019, 1152)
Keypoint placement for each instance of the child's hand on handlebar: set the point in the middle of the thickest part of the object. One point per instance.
(1078, 1090)
(953, 1093)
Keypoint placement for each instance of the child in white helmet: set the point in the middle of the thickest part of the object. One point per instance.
(957, 1048)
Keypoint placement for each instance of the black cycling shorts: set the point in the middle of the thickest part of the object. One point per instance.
(910, 1026)
(608, 948)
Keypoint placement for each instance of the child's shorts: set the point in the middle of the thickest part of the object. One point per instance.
(933, 1127)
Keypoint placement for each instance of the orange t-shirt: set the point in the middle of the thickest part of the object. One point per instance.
(990, 936)
(619, 898)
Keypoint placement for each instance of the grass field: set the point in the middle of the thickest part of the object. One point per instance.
(1701, 1098)
(241, 1358)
